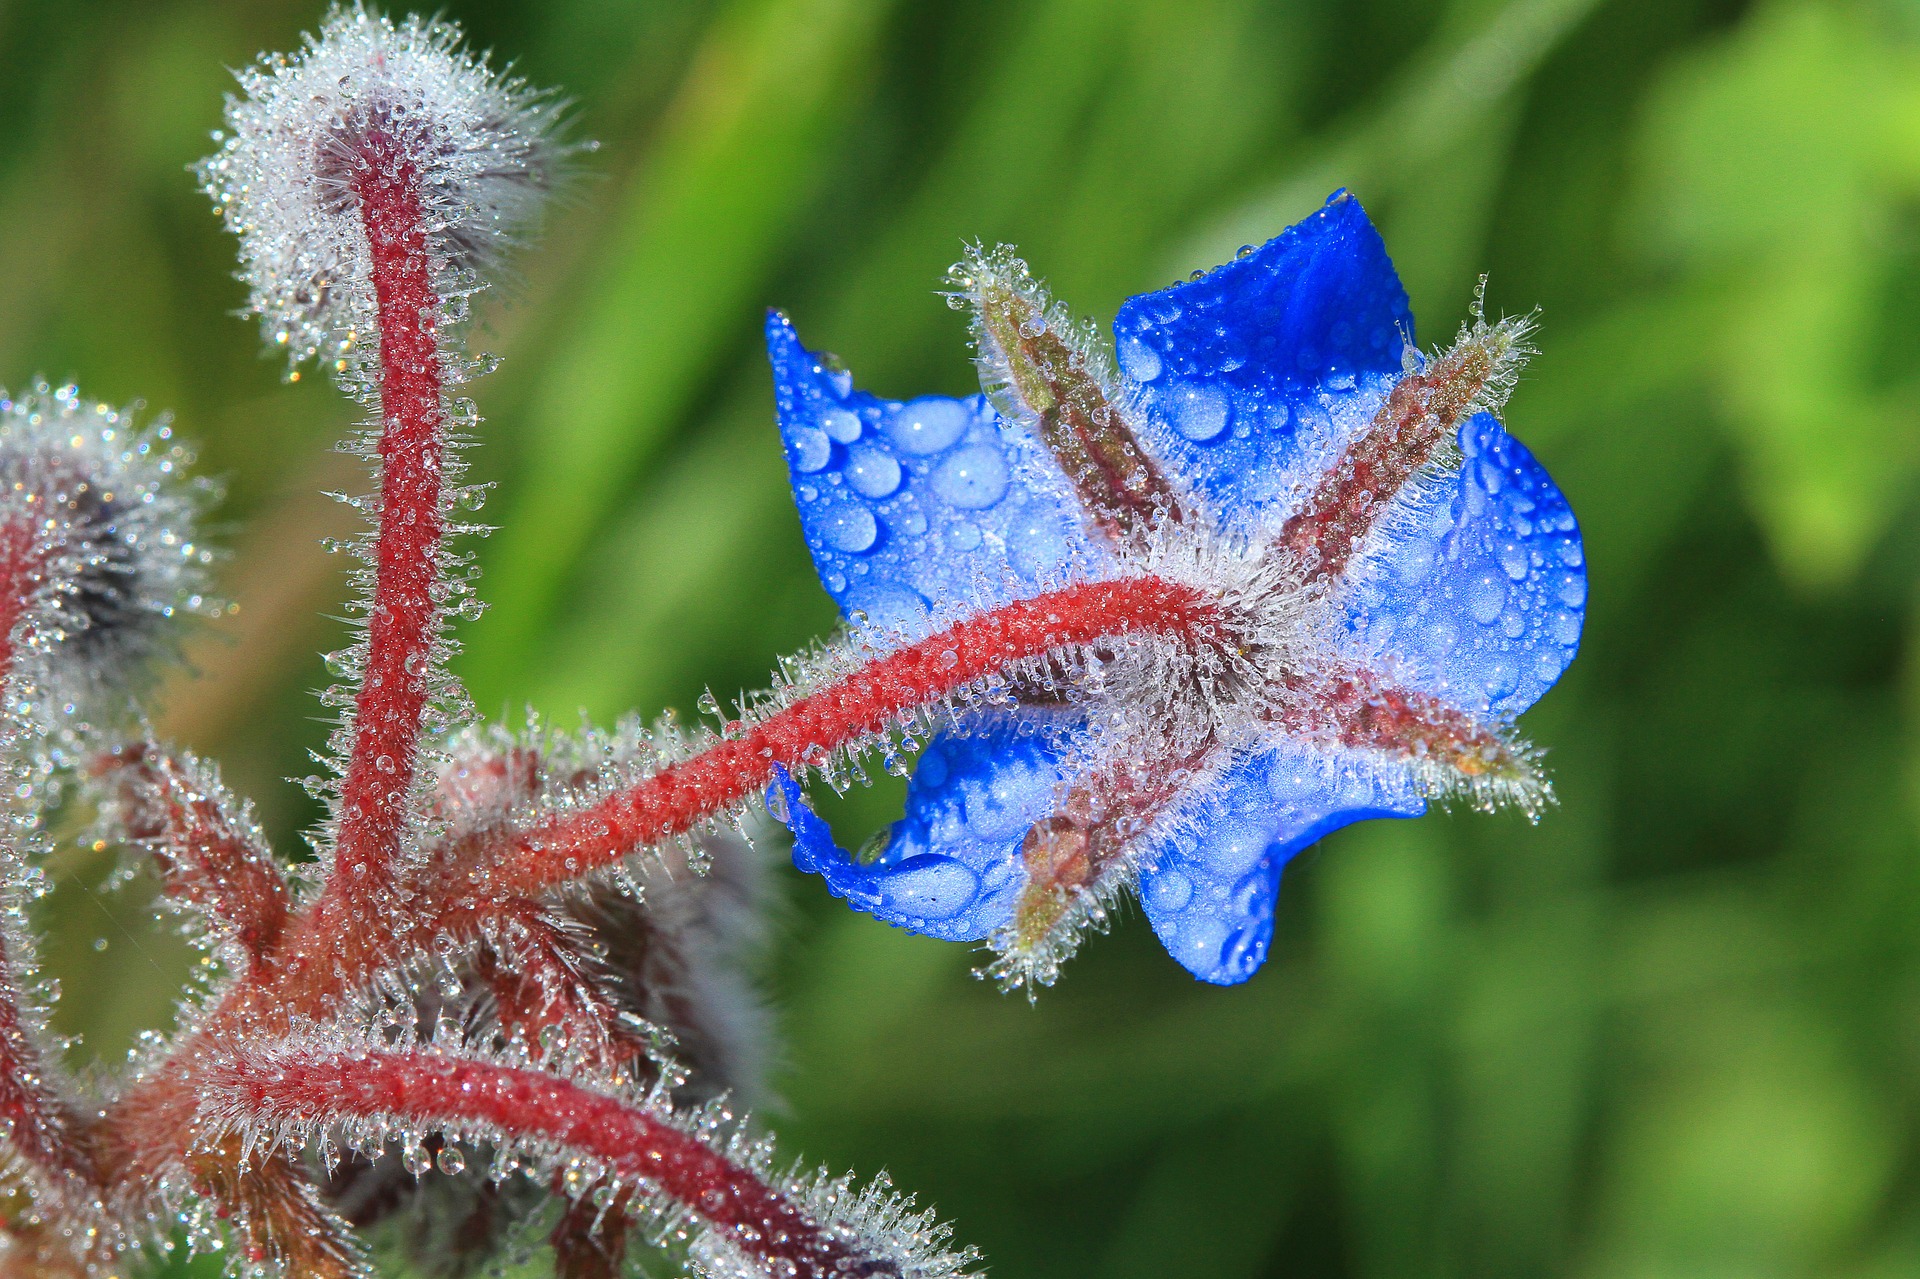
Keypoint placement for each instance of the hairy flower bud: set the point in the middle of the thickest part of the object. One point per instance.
(96, 517)
(405, 100)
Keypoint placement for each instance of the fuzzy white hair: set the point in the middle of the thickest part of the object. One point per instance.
(482, 146)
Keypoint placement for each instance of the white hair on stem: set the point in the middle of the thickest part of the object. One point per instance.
(482, 144)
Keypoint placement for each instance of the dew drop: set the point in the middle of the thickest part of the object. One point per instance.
(1169, 892)
(1486, 596)
(850, 527)
(451, 1161)
(1140, 361)
(1513, 558)
(872, 473)
(841, 425)
(1200, 413)
(972, 479)
(929, 887)
(1501, 679)
(963, 535)
(1035, 541)
(811, 448)
(928, 425)
(888, 609)
(1233, 849)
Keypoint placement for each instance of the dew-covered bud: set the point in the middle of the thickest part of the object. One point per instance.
(371, 99)
(96, 525)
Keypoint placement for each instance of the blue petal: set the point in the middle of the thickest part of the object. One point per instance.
(918, 512)
(1273, 357)
(1210, 893)
(951, 868)
(1481, 598)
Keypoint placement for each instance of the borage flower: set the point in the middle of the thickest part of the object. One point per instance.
(1356, 579)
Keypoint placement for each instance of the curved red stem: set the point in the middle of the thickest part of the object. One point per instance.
(427, 1088)
(846, 711)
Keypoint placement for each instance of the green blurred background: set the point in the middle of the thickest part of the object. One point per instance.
(1672, 1030)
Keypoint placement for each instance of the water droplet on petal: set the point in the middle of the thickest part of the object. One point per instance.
(929, 887)
(1169, 892)
(928, 425)
(972, 479)
(1140, 361)
(872, 473)
(811, 448)
(850, 527)
(841, 425)
(1486, 596)
(1200, 413)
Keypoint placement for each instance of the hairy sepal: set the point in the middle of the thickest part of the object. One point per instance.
(1052, 375)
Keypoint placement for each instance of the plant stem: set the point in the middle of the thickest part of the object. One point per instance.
(843, 713)
(429, 1088)
(404, 624)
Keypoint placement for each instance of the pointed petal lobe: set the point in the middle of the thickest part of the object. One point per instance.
(951, 866)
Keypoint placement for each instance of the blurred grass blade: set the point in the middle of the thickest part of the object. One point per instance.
(684, 276)
(1452, 90)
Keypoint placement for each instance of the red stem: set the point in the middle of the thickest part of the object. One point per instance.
(207, 855)
(36, 1121)
(325, 954)
(404, 624)
(22, 563)
(851, 708)
(426, 1088)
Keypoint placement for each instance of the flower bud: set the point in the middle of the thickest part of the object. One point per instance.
(406, 98)
(97, 515)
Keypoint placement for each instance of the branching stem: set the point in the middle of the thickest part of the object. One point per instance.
(847, 711)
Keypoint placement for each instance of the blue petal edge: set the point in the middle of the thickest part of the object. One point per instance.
(1253, 370)
(1211, 892)
(951, 867)
(1481, 595)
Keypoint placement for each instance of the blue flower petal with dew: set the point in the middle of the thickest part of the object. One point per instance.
(918, 511)
(950, 867)
(1481, 598)
(1210, 891)
(1262, 365)
(1250, 379)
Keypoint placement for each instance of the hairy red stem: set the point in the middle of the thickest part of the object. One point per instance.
(37, 1121)
(851, 708)
(404, 624)
(207, 856)
(324, 956)
(22, 562)
(426, 1088)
